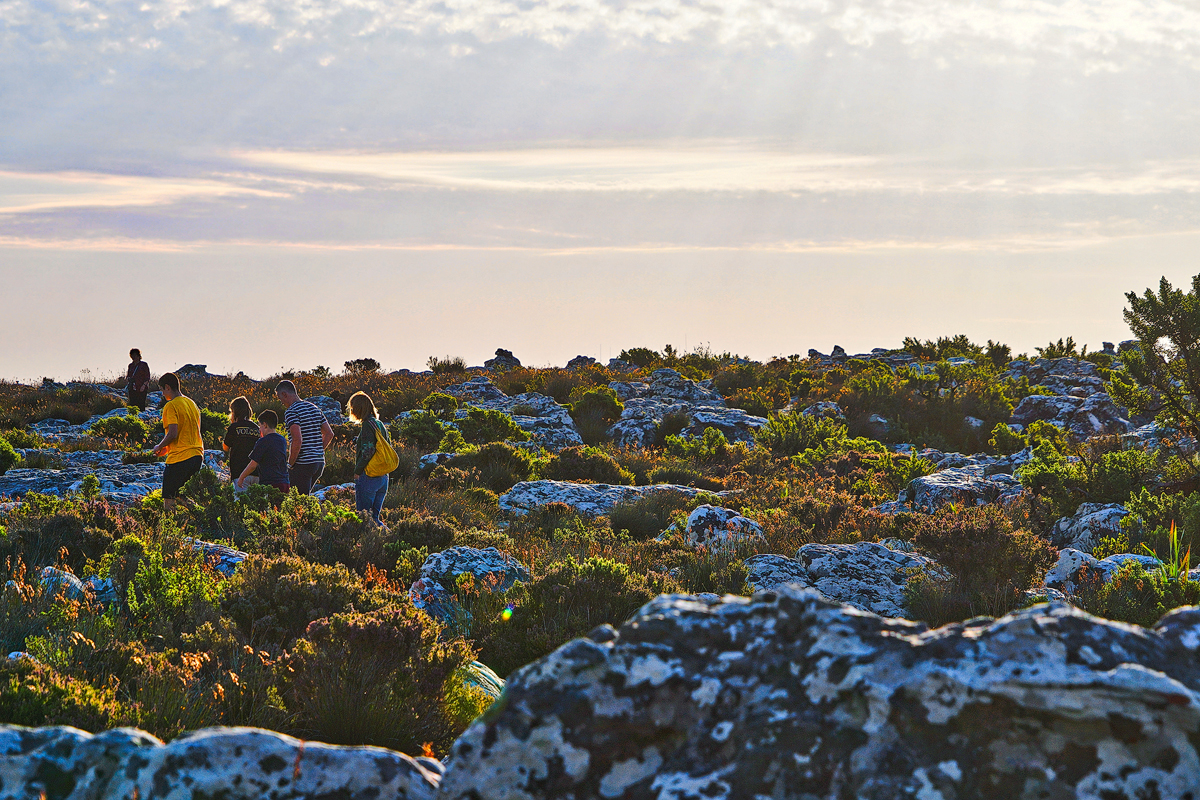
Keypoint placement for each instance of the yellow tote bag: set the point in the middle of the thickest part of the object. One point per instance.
(385, 459)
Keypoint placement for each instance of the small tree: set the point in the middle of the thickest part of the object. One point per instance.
(361, 366)
(1164, 368)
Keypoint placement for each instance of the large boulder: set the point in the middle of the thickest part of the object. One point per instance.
(60, 763)
(503, 361)
(716, 527)
(866, 575)
(548, 422)
(1088, 525)
(734, 423)
(971, 486)
(1082, 417)
(589, 499)
(788, 695)
(1063, 376)
(331, 407)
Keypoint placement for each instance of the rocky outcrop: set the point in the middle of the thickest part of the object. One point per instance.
(866, 575)
(1082, 417)
(503, 361)
(791, 696)
(118, 481)
(716, 527)
(60, 430)
(61, 763)
(827, 409)
(548, 422)
(580, 362)
(331, 407)
(1090, 523)
(589, 499)
(492, 570)
(1063, 376)
(667, 392)
(972, 485)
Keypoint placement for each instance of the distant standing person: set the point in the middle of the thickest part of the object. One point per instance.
(240, 438)
(137, 380)
(308, 436)
(269, 456)
(182, 443)
(374, 457)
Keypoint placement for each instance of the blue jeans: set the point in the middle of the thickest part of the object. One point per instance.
(369, 494)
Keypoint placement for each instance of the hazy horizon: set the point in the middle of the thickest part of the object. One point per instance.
(257, 185)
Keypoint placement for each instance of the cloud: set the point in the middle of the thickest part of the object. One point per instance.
(25, 192)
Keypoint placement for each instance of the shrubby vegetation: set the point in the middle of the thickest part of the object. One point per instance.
(315, 634)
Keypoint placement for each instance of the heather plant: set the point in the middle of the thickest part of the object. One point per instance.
(38, 695)
(792, 433)
(421, 429)
(383, 678)
(586, 464)
(1133, 594)
(647, 516)
(499, 466)
(594, 410)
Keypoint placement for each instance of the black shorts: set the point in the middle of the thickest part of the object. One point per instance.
(179, 473)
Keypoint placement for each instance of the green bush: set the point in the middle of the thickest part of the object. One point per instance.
(1150, 517)
(37, 695)
(647, 516)
(424, 530)
(594, 410)
(792, 433)
(483, 426)
(441, 404)
(587, 464)
(990, 562)
(1005, 440)
(500, 466)
(673, 424)
(641, 356)
(1109, 478)
(710, 448)
(22, 439)
(380, 679)
(751, 401)
(62, 534)
(570, 600)
(453, 442)
(422, 429)
(272, 600)
(127, 428)
(9, 457)
(1134, 595)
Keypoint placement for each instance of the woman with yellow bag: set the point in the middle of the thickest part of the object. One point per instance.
(375, 458)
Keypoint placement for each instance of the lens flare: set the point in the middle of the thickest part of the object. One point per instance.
(507, 613)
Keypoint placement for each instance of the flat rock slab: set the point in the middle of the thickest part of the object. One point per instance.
(61, 763)
(791, 696)
(865, 575)
(591, 499)
(118, 481)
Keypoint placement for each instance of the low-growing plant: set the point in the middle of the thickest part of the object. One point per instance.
(442, 405)
(127, 428)
(423, 429)
(383, 678)
(38, 695)
(446, 365)
(586, 464)
(9, 457)
(500, 466)
(483, 426)
(648, 516)
(792, 433)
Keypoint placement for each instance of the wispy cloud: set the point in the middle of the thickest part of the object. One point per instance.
(26, 191)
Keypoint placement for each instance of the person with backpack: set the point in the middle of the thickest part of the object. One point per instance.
(137, 380)
(374, 460)
(240, 438)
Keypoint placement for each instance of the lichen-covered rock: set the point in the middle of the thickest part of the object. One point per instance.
(1063, 376)
(590, 499)
(333, 409)
(736, 424)
(1090, 523)
(827, 409)
(1066, 574)
(61, 763)
(549, 423)
(223, 558)
(1082, 417)
(478, 390)
(791, 696)
(56, 581)
(483, 678)
(580, 362)
(713, 526)
(492, 569)
(866, 575)
(971, 486)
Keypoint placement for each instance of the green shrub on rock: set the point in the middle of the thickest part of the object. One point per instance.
(422, 429)
(500, 466)
(1133, 594)
(483, 425)
(383, 679)
(649, 515)
(127, 428)
(792, 433)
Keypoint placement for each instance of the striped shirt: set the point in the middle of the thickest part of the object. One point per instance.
(309, 418)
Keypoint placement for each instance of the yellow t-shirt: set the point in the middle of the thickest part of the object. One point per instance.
(183, 412)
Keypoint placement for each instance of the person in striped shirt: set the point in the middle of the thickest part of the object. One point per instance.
(308, 433)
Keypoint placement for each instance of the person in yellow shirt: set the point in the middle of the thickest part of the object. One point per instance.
(181, 443)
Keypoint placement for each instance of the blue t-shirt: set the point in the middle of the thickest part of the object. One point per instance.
(270, 452)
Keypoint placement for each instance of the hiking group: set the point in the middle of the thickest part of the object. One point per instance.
(257, 452)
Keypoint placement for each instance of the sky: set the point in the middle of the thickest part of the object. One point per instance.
(259, 185)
